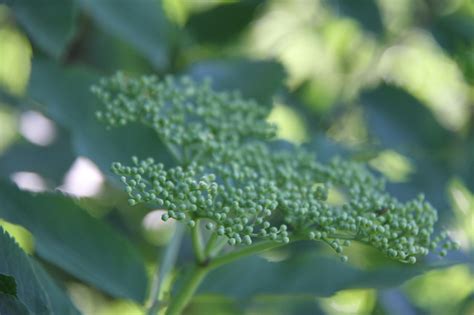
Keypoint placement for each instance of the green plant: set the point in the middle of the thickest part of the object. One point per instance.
(246, 191)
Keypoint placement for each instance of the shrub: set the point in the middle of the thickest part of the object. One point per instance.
(233, 178)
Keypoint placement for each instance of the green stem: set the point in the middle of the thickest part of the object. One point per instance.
(174, 152)
(179, 302)
(171, 252)
(193, 280)
(342, 236)
(198, 273)
(217, 248)
(242, 252)
(197, 242)
(210, 245)
(166, 265)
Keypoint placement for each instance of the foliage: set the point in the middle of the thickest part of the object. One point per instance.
(366, 91)
(228, 175)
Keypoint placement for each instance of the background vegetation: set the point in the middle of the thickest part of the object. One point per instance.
(386, 82)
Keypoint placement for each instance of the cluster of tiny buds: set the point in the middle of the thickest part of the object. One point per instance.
(243, 188)
(240, 214)
(184, 113)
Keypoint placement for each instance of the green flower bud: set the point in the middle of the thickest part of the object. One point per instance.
(209, 226)
(247, 240)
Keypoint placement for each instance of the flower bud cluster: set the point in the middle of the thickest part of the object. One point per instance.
(402, 231)
(239, 205)
(184, 113)
(245, 190)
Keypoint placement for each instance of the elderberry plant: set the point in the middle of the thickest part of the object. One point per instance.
(248, 194)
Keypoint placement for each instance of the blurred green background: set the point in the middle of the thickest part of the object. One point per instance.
(388, 82)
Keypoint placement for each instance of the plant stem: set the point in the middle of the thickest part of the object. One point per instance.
(197, 242)
(210, 245)
(166, 265)
(193, 280)
(179, 302)
(242, 252)
(342, 236)
(171, 252)
(216, 248)
(198, 272)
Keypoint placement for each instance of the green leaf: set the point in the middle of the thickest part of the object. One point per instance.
(254, 275)
(288, 305)
(400, 121)
(366, 12)
(50, 23)
(142, 23)
(454, 31)
(66, 98)
(15, 263)
(312, 273)
(10, 305)
(60, 303)
(259, 80)
(232, 19)
(430, 178)
(107, 53)
(35, 291)
(51, 162)
(67, 236)
(7, 285)
(7, 97)
(468, 169)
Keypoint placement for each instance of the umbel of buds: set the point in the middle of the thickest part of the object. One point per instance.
(231, 175)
